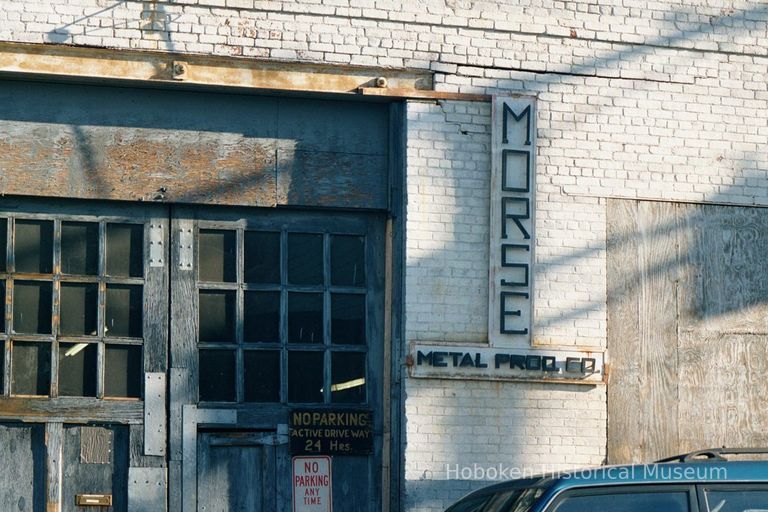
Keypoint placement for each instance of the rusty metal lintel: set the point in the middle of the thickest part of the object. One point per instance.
(421, 94)
(208, 70)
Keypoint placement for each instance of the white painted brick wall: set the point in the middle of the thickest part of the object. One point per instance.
(636, 99)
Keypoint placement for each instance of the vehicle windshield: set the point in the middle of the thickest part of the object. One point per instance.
(511, 500)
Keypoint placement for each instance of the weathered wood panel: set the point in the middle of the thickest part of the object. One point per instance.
(691, 375)
(724, 285)
(22, 473)
(642, 331)
(110, 477)
(73, 410)
(96, 142)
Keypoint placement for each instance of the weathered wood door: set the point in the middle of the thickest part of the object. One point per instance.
(83, 355)
(271, 311)
(687, 328)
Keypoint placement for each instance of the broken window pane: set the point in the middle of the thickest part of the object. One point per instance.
(348, 377)
(32, 307)
(3, 243)
(348, 318)
(262, 257)
(77, 369)
(80, 248)
(217, 375)
(262, 317)
(305, 317)
(123, 315)
(347, 260)
(123, 371)
(125, 250)
(262, 376)
(79, 309)
(305, 259)
(31, 372)
(217, 256)
(217, 315)
(305, 377)
(33, 251)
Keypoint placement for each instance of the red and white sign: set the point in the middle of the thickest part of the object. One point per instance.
(312, 484)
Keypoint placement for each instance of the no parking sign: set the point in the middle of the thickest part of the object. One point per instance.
(312, 484)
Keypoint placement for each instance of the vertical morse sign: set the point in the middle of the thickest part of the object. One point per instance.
(512, 225)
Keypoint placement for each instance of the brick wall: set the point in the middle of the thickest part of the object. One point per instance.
(636, 99)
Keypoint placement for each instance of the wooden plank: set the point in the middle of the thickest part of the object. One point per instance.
(393, 92)
(95, 445)
(324, 178)
(729, 370)
(22, 477)
(642, 331)
(155, 319)
(724, 286)
(138, 459)
(72, 410)
(54, 442)
(80, 477)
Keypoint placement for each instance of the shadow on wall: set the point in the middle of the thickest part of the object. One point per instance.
(687, 316)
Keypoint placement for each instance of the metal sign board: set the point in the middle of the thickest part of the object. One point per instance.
(331, 432)
(312, 491)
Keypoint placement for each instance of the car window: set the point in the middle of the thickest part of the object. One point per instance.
(640, 501)
(737, 500)
(513, 500)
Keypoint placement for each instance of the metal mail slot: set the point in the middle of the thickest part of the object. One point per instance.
(93, 500)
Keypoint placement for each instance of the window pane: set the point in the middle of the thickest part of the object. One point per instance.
(124, 311)
(347, 260)
(31, 372)
(305, 317)
(123, 371)
(262, 317)
(125, 250)
(305, 377)
(80, 248)
(217, 375)
(305, 259)
(3, 243)
(217, 256)
(32, 307)
(262, 257)
(2, 367)
(629, 502)
(348, 377)
(348, 319)
(77, 369)
(2, 306)
(740, 500)
(262, 376)
(217, 315)
(79, 309)
(34, 246)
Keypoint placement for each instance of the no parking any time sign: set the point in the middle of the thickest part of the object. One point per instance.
(312, 484)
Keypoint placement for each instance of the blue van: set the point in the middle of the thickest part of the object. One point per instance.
(702, 481)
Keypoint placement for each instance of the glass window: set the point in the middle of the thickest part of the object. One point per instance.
(79, 309)
(305, 317)
(125, 250)
(305, 377)
(261, 317)
(32, 302)
(124, 311)
(262, 375)
(31, 368)
(737, 500)
(638, 501)
(77, 369)
(3, 244)
(80, 248)
(262, 257)
(348, 377)
(123, 371)
(34, 246)
(217, 316)
(348, 319)
(217, 255)
(305, 259)
(217, 375)
(347, 260)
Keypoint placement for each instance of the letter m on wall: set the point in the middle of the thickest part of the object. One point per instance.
(512, 233)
